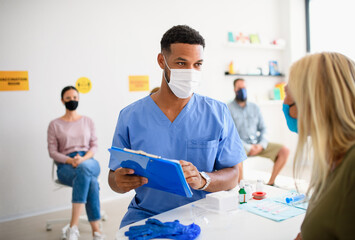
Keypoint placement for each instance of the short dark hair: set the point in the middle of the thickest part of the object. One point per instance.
(181, 34)
(236, 80)
(68, 88)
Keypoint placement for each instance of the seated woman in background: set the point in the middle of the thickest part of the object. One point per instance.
(320, 104)
(72, 143)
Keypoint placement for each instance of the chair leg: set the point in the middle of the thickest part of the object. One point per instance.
(104, 216)
(54, 221)
(48, 226)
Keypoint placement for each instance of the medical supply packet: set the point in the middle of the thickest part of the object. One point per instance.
(301, 204)
(276, 208)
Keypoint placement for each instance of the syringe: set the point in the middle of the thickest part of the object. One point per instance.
(295, 198)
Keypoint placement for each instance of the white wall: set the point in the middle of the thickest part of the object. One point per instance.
(337, 36)
(59, 41)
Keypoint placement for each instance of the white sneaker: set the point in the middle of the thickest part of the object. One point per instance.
(73, 233)
(98, 236)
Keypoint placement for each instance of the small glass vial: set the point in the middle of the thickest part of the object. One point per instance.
(249, 190)
(259, 186)
(242, 193)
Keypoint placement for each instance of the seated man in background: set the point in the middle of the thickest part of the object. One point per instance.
(251, 128)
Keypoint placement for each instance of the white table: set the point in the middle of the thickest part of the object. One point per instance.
(237, 224)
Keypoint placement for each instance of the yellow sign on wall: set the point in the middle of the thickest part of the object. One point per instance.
(14, 81)
(138, 83)
(83, 85)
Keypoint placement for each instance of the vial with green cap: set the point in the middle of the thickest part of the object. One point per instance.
(242, 193)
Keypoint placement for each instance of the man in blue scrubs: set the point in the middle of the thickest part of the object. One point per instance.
(177, 123)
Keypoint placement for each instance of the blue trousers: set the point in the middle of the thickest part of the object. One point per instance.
(83, 180)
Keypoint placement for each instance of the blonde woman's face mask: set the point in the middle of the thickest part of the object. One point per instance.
(289, 104)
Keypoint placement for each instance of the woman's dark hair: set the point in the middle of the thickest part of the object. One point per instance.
(181, 34)
(68, 88)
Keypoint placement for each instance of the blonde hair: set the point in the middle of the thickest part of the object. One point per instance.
(323, 88)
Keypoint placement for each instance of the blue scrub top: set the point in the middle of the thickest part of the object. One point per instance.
(203, 134)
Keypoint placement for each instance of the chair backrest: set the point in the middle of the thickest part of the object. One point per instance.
(53, 163)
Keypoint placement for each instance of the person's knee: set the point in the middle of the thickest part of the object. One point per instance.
(83, 169)
(284, 152)
(90, 166)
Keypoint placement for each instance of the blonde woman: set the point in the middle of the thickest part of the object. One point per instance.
(320, 106)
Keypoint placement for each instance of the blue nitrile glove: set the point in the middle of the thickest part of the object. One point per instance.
(153, 228)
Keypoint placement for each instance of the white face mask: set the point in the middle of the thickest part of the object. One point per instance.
(183, 82)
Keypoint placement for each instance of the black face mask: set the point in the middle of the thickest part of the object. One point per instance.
(71, 105)
(241, 95)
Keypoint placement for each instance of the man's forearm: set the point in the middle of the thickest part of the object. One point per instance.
(224, 179)
(263, 143)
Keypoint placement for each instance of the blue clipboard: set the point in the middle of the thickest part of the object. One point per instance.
(163, 174)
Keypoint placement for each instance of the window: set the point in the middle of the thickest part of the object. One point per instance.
(330, 25)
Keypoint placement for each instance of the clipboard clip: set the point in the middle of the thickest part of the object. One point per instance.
(141, 153)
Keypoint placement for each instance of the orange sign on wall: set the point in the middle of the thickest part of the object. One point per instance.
(14, 81)
(138, 83)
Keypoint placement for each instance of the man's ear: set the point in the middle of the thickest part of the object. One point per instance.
(161, 61)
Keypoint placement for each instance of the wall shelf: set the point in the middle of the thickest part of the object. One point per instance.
(255, 46)
(252, 75)
(270, 102)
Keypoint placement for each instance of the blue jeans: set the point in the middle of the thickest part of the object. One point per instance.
(83, 179)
